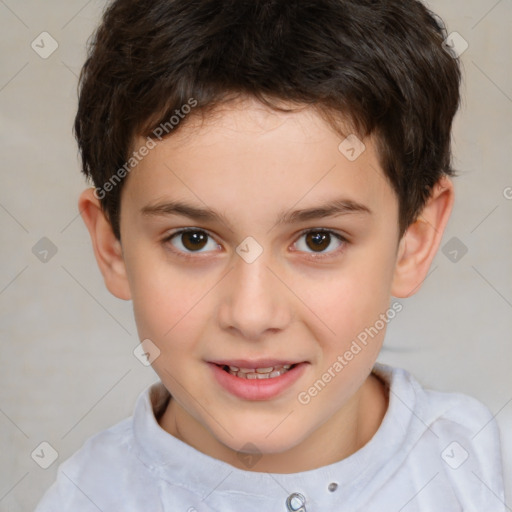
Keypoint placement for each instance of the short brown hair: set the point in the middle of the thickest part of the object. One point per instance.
(378, 63)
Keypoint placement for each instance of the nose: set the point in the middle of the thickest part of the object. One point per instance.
(254, 299)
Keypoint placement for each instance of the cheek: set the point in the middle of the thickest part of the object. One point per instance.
(163, 299)
(355, 308)
(352, 298)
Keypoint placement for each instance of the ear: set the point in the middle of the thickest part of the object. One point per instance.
(107, 248)
(421, 241)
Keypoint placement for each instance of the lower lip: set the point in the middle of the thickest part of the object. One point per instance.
(257, 389)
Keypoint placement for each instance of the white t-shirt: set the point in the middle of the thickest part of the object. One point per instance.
(433, 452)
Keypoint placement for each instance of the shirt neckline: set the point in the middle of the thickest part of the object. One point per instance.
(181, 464)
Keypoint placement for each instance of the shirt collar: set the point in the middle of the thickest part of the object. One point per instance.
(181, 464)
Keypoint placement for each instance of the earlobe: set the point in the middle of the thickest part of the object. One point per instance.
(107, 248)
(421, 241)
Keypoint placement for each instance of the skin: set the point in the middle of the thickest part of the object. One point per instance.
(252, 163)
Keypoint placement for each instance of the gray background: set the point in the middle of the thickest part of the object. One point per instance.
(67, 368)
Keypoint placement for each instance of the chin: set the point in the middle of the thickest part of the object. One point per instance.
(260, 441)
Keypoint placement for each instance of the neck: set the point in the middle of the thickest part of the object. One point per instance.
(342, 435)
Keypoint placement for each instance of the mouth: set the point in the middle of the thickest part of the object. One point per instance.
(257, 380)
(268, 372)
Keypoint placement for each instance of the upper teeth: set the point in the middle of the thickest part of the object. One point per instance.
(259, 373)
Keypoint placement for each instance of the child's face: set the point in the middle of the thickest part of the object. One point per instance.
(199, 301)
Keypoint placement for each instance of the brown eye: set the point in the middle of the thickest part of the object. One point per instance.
(194, 240)
(318, 241)
(186, 242)
(189, 241)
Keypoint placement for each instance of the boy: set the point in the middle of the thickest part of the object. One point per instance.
(267, 174)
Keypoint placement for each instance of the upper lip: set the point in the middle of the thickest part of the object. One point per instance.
(255, 363)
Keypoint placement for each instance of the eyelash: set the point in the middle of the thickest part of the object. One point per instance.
(313, 256)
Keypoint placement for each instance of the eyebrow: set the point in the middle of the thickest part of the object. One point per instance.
(335, 207)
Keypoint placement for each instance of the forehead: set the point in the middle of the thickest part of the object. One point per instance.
(245, 159)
